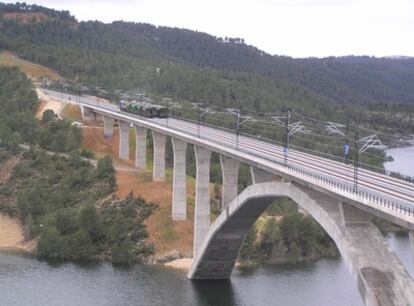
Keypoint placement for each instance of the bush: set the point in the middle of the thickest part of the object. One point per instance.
(105, 171)
(50, 243)
(294, 253)
(269, 236)
(86, 153)
(249, 248)
(48, 116)
(123, 252)
(91, 221)
(282, 207)
(67, 221)
(81, 247)
(105, 168)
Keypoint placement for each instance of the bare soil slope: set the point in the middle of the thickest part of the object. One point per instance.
(11, 229)
(34, 71)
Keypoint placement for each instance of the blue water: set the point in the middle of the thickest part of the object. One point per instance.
(403, 161)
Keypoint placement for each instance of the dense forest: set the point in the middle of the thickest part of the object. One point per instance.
(198, 67)
(63, 201)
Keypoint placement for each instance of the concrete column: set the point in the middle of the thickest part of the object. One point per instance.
(179, 203)
(230, 175)
(158, 173)
(202, 203)
(411, 235)
(141, 147)
(108, 126)
(260, 176)
(123, 140)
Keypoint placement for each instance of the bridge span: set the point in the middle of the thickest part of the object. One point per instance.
(323, 187)
(380, 277)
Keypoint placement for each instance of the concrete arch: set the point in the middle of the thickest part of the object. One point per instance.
(377, 272)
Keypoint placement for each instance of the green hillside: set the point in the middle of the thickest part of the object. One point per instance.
(197, 67)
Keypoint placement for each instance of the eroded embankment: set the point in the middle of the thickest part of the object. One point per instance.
(12, 235)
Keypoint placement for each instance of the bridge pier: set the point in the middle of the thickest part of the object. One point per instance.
(108, 123)
(123, 140)
(202, 203)
(230, 175)
(179, 202)
(141, 147)
(158, 174)
(411, 236)
(260, 176)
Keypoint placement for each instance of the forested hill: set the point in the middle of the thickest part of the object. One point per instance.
(344, 79)
(199, 67)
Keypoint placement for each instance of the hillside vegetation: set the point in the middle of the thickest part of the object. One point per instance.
(199, 67)
(63, 201)
(32, 70)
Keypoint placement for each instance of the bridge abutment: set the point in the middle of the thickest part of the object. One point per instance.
(141, 147)
(108, 123)
(158, 174)
(179, 201)
(230, 175)
(123, 140)
(260, 176)
(202, 203)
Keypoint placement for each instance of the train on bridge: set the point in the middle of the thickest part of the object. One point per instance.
(145, 109)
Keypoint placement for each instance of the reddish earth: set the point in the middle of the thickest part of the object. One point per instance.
(7, 167)
(165, 234)
(11, 229)
(72, 112)
(30, 69)
(26, 17)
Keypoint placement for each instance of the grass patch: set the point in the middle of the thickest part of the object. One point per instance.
(31, 70)
(72, 113)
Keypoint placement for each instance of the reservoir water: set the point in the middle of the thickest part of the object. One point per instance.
(403, 160)
(25, 281)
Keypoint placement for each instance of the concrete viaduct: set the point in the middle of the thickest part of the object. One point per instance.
(341, 210)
